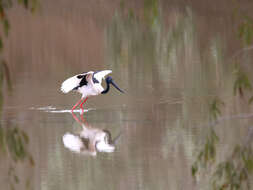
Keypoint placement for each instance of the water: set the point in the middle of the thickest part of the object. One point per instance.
(177, 62)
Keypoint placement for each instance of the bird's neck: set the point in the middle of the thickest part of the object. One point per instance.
(107, 88)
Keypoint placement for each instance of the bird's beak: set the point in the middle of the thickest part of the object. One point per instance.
(114, 84)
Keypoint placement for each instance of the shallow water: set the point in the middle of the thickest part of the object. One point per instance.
(174, 65)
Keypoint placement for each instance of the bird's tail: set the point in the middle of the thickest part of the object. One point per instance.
(69, 84)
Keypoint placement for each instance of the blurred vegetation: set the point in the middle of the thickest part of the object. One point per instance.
(215, 108)
(235, 171)
(135, 38)
(151, 11)
(13, 140)
(5, 5)
(13, 143)
(246, 30)
(242, 82)
(245, 27)
(207, 156)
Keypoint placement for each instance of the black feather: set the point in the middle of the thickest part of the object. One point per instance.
(82, 82)
(80, 76)
(93, 78)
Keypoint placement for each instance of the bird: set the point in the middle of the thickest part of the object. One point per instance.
(88, 84)
(90, 140)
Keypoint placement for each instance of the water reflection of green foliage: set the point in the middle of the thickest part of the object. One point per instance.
(131, 40)
(151, 11)
(13, 140)
(17, 140)
(5, 6)
(245, 27)
(215, 108)
(207, 155)
(242, 82)
(178, 48)
(235, 172)
(246, 30)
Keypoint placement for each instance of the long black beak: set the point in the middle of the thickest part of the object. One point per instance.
(108, 82)
(113, 83)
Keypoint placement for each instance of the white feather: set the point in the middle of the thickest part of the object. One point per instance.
(105, 147)
(72, 82)
(101, 74)
(69, 84)
(72, 142)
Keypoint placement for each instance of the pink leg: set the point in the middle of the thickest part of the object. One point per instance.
(76, 118)
(81, 105)
(74, 107)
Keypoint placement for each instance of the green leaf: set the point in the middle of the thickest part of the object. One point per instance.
(251, 100)
(2, 139)
(6, 27)
(25, 3)
(245, 31)
(194, 169)
(241, 83)
(7, 75)
(122, 4)
(16, 179)
(130, 14)
(1, 44)
(28, 183)
(25, 137)
(249, 165)
(31, 160)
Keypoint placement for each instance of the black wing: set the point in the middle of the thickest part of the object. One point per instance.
(82, 82)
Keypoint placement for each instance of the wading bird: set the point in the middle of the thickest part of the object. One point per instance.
(88, 84)
(90, 140)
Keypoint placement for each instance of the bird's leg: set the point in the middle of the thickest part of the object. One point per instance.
(81, 105)
(72, 111)
(74, 107)
(76, 118)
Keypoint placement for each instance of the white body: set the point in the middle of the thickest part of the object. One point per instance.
(91, 88)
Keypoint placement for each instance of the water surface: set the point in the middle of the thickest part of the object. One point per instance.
(174, 60)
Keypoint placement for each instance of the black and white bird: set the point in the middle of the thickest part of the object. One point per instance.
(88, 84)
(90, 140)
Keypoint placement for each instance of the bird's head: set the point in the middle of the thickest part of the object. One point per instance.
(103, 143)
(109, 81)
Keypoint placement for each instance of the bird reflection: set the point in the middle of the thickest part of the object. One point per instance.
(89, 141)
